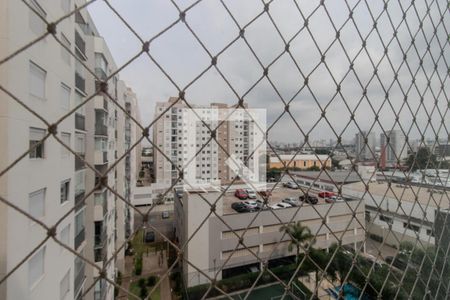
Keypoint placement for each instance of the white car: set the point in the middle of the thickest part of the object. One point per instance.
(251, 204)
(280, 205)
(251, 193)
(337, 199)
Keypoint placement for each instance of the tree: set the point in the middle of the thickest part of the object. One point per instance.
(422, 159)
(300, 235)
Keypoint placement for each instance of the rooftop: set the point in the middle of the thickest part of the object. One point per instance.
(338, 177)
(287, 157)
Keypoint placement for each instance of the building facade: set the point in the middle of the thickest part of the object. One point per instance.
(299, 161)
(393, 148)
(365, 146)
(51, 183)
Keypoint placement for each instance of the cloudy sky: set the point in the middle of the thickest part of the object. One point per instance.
(183, 58)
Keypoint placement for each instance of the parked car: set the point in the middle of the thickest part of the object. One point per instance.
(333, 199)
(308, 199)
(251, 204)
(251, 193)
(291, 201)
(149, 237)
(165, 215)
(240, 207)
(241, 194)
(291, 185)
(326, 194)
(260, 204)
(280, 205)
(397, 262)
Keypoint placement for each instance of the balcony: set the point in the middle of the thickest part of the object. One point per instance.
(80, 43)
(100, 73)
(79, 202)
(79, 163)
(80, 82)
(79, 122)
(101, 157)
(101, 129)
(79, 238)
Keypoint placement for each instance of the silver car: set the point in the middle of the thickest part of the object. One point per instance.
(292, 201)
(251, 193)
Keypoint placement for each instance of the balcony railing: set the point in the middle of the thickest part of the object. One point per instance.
(79, 279)
(79, 122)
(101, 129)
(79, 238)
(105, 157)
(80, 82)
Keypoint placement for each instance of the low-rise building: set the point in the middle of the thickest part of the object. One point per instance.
(213, 242)
(299, 161)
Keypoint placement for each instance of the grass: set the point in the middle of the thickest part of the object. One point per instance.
(140, 247)
(272, 291)
(135, 289)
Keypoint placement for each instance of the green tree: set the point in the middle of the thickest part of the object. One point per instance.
(300, 235)
(422, 159)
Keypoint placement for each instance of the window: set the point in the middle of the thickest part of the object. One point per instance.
(65, 97)
(64, 191)
(65, 235)
(79, 143)
(79, 222)
(65, 5)
(65, 138)
(36, 267)
(386, 219)
(64, 286)
(65, 55)
(35, 22)
(36, 204)
(36, 135)
(101, 144)
(78, 101)
(37, 81)
(411, 226)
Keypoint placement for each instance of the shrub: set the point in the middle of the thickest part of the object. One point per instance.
(138, 265)
(118, 282)
(151, 280)
(141, 283)
(143, 292)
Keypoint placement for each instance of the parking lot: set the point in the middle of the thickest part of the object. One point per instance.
(278, 194)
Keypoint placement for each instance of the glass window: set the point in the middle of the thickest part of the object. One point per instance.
(79, 222)
(65, 55)
(65, 97)
(79, 182)
(36, 135)
(78, 100)
(65, 235)
(64, 286)
(65, 138)
(36, 204)
(36, 267)
(80, 143)
(64, 191)
(37, 81)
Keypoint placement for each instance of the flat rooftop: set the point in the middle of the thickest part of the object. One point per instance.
(404, 193)
(278, 194)
(338, 177)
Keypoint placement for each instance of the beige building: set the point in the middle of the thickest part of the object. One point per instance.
(215, 242)
(299, 161)
(49, 181)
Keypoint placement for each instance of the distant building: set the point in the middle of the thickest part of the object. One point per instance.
(365, 146)
(299, 161)
(393, 148)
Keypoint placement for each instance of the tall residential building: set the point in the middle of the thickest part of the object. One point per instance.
(50, 183)
(393, 148)
(182, 137)
(365, 146)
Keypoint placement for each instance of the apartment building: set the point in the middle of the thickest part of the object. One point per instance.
(393, 148)
(214, 242)
(365, 146)
(181, 135)
(50, 181)
(299, 161)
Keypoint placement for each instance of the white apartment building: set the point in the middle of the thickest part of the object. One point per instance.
(49, 181)
(393, 148)
(181, 134)
(365, 146)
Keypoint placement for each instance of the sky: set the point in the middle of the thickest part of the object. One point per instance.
(183, 58)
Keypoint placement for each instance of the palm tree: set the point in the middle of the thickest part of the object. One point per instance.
(300, 235)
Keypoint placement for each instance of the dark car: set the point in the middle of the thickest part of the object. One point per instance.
(397, 262)
(241, 194)
(308, 199)
(240, 207)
